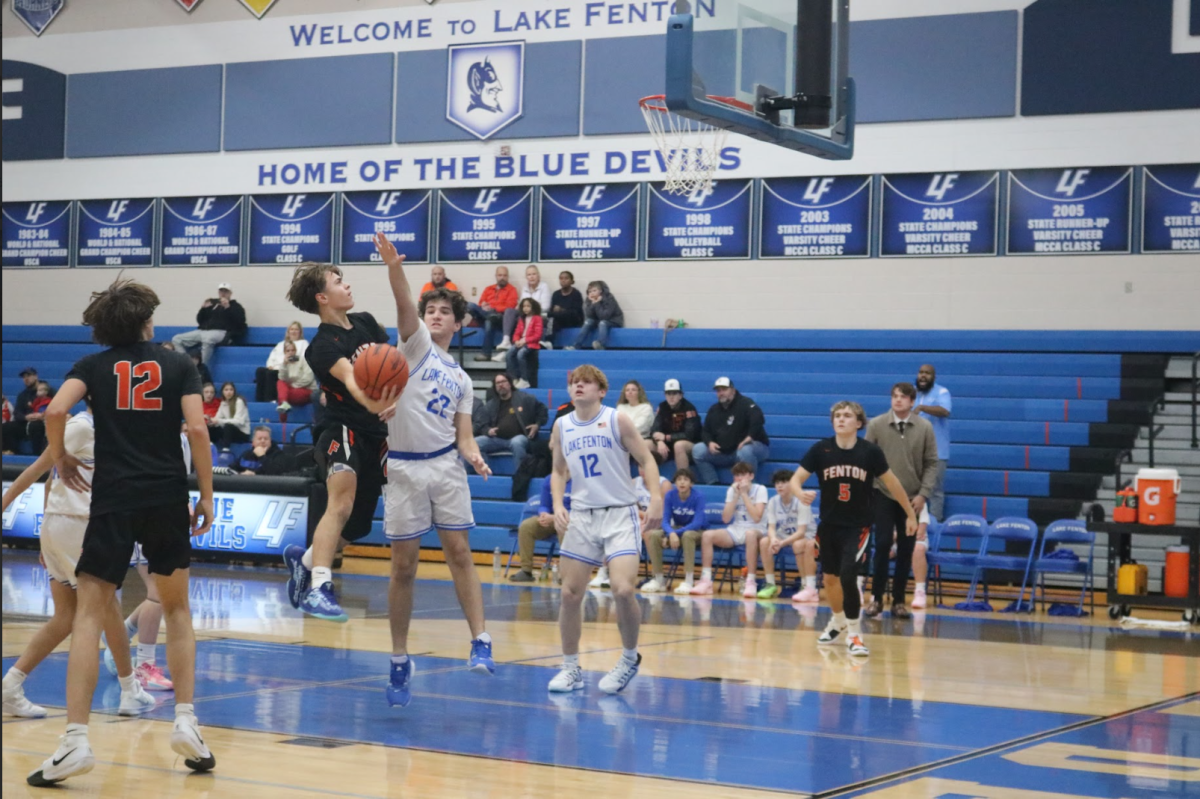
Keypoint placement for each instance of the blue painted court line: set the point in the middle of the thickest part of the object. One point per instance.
(669, 728)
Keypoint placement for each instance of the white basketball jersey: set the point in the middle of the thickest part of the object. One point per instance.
(80, 441)
(599, 463)
(741, 514)
(793, 518)
(437, 389)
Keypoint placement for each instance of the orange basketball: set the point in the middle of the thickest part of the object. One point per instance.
(380, 367)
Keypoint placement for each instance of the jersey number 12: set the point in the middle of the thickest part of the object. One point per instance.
(131, 397)
(590, 462)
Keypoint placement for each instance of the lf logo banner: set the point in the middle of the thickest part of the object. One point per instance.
(485, 86)
(37, 14)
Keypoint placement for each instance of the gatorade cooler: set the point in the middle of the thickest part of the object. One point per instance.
(1175, 573)
(1157, 490)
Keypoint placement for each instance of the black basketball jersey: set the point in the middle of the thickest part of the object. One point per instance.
(135, 392)
(332, 343)
(847, 478)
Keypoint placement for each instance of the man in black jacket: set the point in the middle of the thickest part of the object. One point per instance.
(733, 431)
(676, 427)
(14, 430)
(509, 420)
(566, 307)
(220, 320)
(263, 457)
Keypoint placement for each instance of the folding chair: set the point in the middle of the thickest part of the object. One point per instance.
(1015, 529)
(955, 529)
(528, 510)
(1067, 531)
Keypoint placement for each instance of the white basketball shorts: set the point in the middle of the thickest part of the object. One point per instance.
(597, 535)
(421, 496)
(62, 543)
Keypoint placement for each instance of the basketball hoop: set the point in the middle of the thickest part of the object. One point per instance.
(690, 150)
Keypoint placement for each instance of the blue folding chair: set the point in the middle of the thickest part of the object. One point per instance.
(1067, 531)
(956, 529)
(529, 509)
(1017, 530)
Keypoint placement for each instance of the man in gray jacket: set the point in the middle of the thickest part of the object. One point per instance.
(908, 442)
(508, 421)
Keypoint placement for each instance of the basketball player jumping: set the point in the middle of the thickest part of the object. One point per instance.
(352, 453)
(846, 467)
(137, 391)
(591, 447)
(426, 483)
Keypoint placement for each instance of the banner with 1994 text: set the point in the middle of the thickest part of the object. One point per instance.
(291, 228)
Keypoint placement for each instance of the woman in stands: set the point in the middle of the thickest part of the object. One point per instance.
(296, 380)
(267, 377)
(232, 422)
(634, 404)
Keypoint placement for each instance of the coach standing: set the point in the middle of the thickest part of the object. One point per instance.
(908, 442)
(933, 402)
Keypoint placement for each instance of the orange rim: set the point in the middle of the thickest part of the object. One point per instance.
(657, 102)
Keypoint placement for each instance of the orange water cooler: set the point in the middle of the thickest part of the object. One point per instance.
(1176, 572)
(1157, 491)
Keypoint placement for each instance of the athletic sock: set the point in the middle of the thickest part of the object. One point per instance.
(920, 586)
(185, 709)
(840, 619)
(321, 575)
(485, 637)
(399, 660)
(570, 661)
(810, 581)
(658, 578)
(14, 678)
(771, 579)
(630, 654)
(855, 626)
(77, 730)
(706, 575)
(307, 560)
(127, 683)
(145, 654)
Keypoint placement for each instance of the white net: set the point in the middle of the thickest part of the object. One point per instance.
(690, 150)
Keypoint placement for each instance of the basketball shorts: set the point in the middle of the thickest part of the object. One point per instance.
(738, 533)
(840, 548)
(597, 535)
(344, 449)
(424, 495)
(61, 542)
(164, 532)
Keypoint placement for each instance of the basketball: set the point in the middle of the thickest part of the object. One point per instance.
(380, 367)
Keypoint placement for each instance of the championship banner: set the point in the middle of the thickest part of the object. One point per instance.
(477, 225)
(940, 213)
(291, 228)
(37, 233)
(37, 14)
(201, 230)
(1063, 211)
(115, 233)
(1170, 209)
(815, 217)
(596, 222)
(712, 223)
(404, 216)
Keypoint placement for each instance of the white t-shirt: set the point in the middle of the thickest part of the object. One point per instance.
(789, 520)
(542, 294)
(741, 516)
(437, 390)
(80, 441)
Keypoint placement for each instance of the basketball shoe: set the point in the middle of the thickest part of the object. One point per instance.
(72, 758)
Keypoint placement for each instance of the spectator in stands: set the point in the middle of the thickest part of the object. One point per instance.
(676, 427)
(495, 300)
(205, 375)
(231, 425)
(35, 424)
(797, 528)
(509, 420)
(566, 305)
(220, 320)
(633, 403)
(14, 428)
(744, 513)
(536, 528)
(266, 377)
(212, 403)
(908, 443)
(683, 513)
(785, 515)
(601, 313)
(534, 289)
(934, 403)
(522, 358)
(437, 280)
(263, 457)
(296, 379)
(733, 432)
(6, 410)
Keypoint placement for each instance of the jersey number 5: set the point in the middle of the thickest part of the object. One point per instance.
(843, 492)
(131, 397)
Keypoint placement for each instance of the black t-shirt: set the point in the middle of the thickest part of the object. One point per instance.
(135, 393)
(329, 345)
(847, 478)
(508, 426)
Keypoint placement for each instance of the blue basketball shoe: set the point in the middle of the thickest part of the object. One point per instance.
(321, 602)
(480, 660)
(298, 576)
(399, 690)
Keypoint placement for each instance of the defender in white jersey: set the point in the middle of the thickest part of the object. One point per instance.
(426, 484)
(64, 521)
(592, 447)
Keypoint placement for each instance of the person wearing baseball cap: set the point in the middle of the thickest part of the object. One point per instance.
(220, 320)
(676, 427)
(733, 432)
(15, 429)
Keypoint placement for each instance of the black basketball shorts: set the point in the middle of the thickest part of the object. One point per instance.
(342, 448)
(164, 531)
(840, 548)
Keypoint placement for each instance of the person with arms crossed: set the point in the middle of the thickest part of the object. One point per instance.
(591, 447)
(351, 453)
(846, 467)
(426, 483)
(137, 391)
